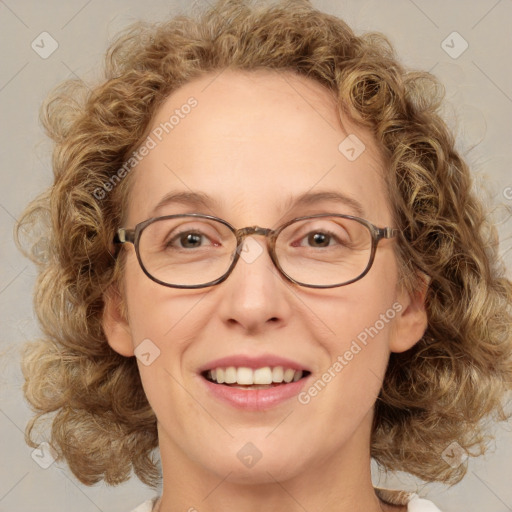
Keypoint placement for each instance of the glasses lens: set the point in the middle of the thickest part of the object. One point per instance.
(186, 250)
(324, 251)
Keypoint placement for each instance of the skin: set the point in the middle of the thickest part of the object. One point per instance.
(254, 138)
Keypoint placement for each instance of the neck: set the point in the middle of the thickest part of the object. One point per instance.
(331, 482)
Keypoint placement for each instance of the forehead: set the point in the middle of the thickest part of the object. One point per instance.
(252, 141)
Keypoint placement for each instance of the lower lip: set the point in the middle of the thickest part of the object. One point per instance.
(255, 399)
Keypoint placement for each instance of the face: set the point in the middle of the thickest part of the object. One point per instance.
(252, 142)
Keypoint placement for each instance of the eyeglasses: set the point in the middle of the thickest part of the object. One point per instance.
(195, 250)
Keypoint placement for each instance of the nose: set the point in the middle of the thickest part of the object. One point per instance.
(255, 293)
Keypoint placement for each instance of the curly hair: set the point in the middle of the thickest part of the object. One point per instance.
(438, 392)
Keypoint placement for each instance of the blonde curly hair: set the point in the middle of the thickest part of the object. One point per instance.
(438, 392)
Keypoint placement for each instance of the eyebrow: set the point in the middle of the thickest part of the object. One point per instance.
(312, 198)
(200, 199)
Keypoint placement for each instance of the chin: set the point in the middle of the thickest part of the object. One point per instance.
(266, 470)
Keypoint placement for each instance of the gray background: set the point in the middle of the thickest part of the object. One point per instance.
(479, 109)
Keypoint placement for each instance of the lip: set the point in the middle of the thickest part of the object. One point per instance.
(253, 362)
(254, 399)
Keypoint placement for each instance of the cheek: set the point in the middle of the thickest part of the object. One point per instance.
(364, 311)
(363, 334)
(358, 344)
(161, 321)
(152, 308)
(348, 385)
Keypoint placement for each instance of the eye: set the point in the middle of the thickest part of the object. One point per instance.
(323, 234)
(320, 238)
(187, 239)
(175, 234)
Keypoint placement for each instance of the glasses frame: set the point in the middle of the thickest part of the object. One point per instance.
(125, 235)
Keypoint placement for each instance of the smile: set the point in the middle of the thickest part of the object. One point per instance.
(254, 378)
(253, 389)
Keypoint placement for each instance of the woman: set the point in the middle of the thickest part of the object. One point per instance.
(362, 312)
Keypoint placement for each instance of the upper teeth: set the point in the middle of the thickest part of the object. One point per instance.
(247, 376)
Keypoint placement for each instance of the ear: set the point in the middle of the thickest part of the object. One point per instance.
(115, 324)
(411, 321)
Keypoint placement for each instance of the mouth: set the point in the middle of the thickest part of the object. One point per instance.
(246, 378)
(254, 382)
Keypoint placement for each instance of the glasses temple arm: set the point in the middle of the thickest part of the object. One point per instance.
(124, 235)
